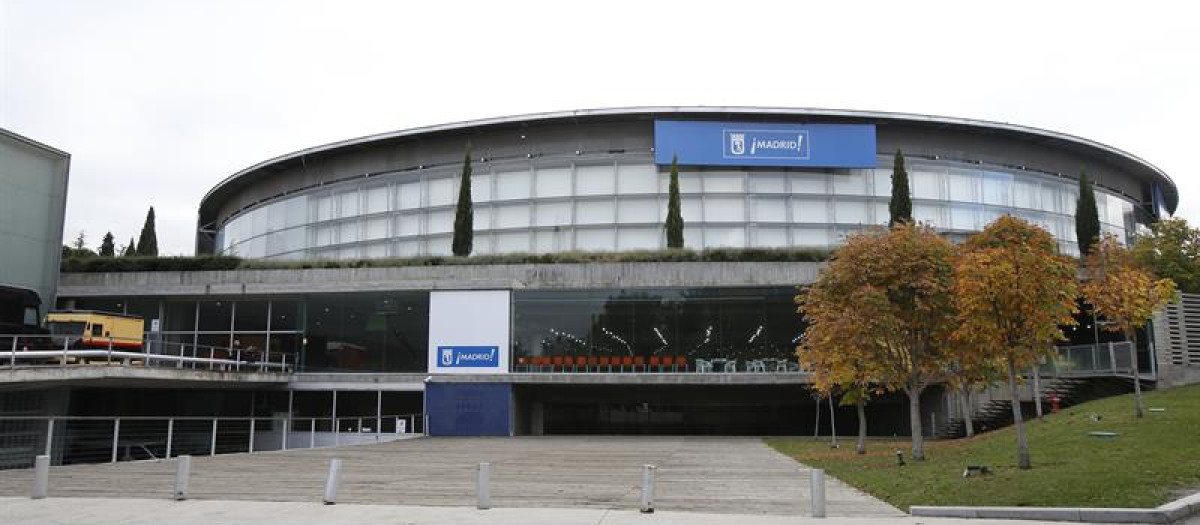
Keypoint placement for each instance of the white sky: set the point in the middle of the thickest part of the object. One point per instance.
(157, 101)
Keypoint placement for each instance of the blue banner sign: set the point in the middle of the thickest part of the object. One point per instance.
(469, 356)
(764, 144)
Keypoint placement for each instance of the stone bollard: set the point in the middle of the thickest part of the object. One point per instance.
(816, 482)
(41, 476)
(183, 469)
(481, 487)
(331, 482)
(647, 505)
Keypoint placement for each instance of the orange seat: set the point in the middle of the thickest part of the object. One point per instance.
(593, 361)
(626, 361)
(604, 360)
(558, 362)
(639, 361)
(681, 361)
(668, 361)
(656, 362)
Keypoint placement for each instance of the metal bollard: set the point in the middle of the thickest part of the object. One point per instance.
(331, 482)
(183, 469)
(41, 476)
(816, 482)
(481, 487)
(648, 488)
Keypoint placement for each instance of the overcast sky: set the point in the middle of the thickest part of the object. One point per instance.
(157, 101)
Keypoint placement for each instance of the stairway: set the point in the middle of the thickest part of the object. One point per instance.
(997, 413)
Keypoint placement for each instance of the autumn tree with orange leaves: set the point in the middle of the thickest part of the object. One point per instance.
(1014, 292)
(1125, 294)
(882, 313)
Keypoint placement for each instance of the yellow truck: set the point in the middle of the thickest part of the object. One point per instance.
(97, 329)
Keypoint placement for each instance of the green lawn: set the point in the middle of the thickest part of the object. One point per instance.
(1146, 465)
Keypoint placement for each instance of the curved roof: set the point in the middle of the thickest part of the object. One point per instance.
(1128, 162)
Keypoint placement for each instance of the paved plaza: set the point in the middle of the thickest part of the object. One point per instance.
(721, 475)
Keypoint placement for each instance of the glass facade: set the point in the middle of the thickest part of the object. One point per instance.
(618, 202)
(707, 329)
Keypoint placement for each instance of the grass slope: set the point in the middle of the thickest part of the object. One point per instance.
(1148, 464)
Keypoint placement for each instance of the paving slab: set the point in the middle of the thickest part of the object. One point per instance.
(694, 474)
(94, 511)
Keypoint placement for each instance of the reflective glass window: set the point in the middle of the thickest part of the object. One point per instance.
(512, 216)
(770, 237)
(810, 236)
(553, 182)
(806, 182)
(553, 213)
(810, 210)
(323, 235)
(512, 242)
(724, 181)
(408, 248)
(441, 221)
(964, 217)
(639, 238)
(768, 210)
(997, 188)
(724, 237)
(964, 185)
(595, 180)
(883, 182)
(408, 224)
(409, 195)
(376, 332)
(594, 212)
(850, 212)
(928, 213)
(442, 191)
(348, 232)
(439, 245)
(552, 241)
(724, 209)
(347, 204)
(481, 187)
(637, 210)
(689, 182)
(258, 221)
(276, 216)
(324, 205)
(377, 199)
(852, 183)
(595, 239)
(1025, 193)
(375, 251)
(512, 184)
(377, 228)
(637, 178)
(689, 207)
(482, 217)
(761, 182)
(926, 184)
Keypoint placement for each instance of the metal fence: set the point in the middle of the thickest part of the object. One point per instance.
(62, 351)
(80, 439)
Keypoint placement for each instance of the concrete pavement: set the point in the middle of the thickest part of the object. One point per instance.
(71, 511)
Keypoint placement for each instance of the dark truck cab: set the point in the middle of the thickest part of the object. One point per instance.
(20, 312)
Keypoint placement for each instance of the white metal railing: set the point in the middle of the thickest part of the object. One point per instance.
(86, 439)
(20, 350)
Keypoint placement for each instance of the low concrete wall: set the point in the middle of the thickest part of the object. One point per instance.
(455, 277)
(135, 376)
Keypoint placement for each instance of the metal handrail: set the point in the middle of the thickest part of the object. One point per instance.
(21, 352)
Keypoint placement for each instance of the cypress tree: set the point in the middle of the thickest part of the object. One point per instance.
(148, 241)
(129, 250)
(464, 215)
(674, 223)
(1087, 219)
(107, 249)
(900, 206)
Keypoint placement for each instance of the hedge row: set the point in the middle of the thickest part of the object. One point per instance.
(203, 263)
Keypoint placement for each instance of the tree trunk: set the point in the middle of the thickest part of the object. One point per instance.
(1023, 461)
(861, 448)
(914, 421)
(832, 424)
(1037, 390)
(968, 414)
(1138, 405)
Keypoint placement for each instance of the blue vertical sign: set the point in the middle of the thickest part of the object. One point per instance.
(762, 144)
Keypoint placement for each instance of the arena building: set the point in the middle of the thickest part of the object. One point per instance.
(601, 347)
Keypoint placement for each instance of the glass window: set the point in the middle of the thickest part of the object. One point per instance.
(276, 217)
(1025, 194)
(296, 211)
(964, 217)
(408, 248)
(637, 178)
(882, 214)
(481, 187)
(997, 188)
(720, 237)
(552, 241)
(324, 204)
(441, 221)
(482, 217)
(285, 241)
(1051, 198)
(850, 212)
(637, 210)
(512, 185)
(323, 235)
(553, 182)
(442, 191)
(439, 246)
(410, 195)
(1116, 212)
(964, 185)
(928, 213)
(258, 221)
(384, 332)
(883, 182)
(347, 204)
(348, 232)
(768, 210)
(512, 242)
(377, 199)
(926, 184)
(810, 236)
(689, 207)
(594, 180)
(639, 238)
(724, 181)
(482, 244)
(377, 228)
(724, 209)
(689, 182)
(376, 251)
(810, 210)
(807, 182)
(553, 213)
(215, 316)
(852, 183)
(284, 315)
(408, 225)
(768, 182)
(512, 216)
(594, 212)
(769, 237)
(602, 239)
(250, 316)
